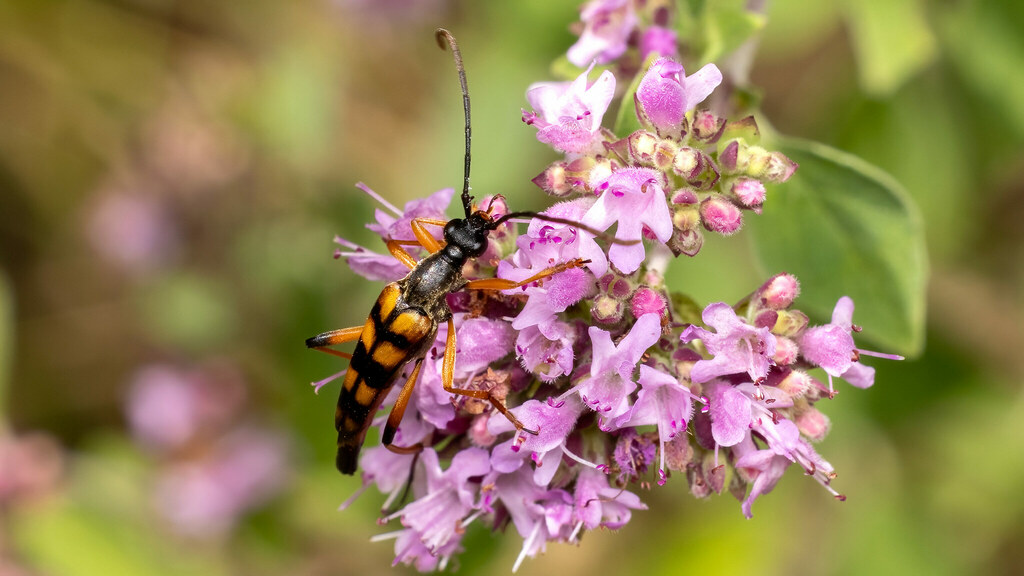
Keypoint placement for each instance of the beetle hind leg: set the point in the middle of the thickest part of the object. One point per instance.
(448, 378)
(320, 342)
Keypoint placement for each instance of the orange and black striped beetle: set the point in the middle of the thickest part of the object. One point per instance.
(403, 323)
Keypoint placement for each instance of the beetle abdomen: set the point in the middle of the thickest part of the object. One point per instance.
(393, 335)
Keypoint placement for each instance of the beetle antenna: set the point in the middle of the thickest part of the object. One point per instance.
(443, 36)
(597, 233)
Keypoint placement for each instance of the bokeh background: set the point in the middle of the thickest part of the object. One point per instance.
(172, 173)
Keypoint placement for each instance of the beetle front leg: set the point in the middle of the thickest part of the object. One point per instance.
(503, 284)
(448, 379)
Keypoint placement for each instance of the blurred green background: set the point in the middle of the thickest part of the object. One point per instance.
(172, 173)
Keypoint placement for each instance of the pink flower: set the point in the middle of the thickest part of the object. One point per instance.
(662, 401)
(611, 379)
(553, 423)
(568, 114)
(736, 347)
(831, 347)
(666, 94)
(730, 411)
(384, 267)
(607, 26)
(538, 514)
(634, 198)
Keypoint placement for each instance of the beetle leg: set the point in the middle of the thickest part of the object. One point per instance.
(423, 236)
(321, 341)
(394, 246)
(503, 284)
(395, 418)
(448, 377)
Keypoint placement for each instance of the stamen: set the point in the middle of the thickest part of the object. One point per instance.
(579, 459)
(880, 355)
(378, 198)
(348, 501)
(320, 384)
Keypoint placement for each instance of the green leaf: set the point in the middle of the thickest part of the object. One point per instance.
(727, 26)
(892, 41)
(846, 228)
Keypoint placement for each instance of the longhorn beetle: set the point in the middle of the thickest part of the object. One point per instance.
(403, 323)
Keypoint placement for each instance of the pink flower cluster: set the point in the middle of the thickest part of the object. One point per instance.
(623, 386)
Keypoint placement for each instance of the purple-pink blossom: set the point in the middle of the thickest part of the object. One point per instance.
(735, 346)
(607, 26)
(568, 115)
(666, 94)
(634, 198)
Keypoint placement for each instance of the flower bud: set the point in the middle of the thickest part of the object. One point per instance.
(728, 158)
(678, 453)
(687, 242)
(786, 351)
(779, 291)
(708, 175)
(720, 215)
(790, 323)
(599, 172)
(642, 147)
(748, 191)
(665, 154)
(779, 168)
(607, 310)
(707, 127)
(553, 180)
(813, 424)
(647, 301)
(756, 161)
(687, 163)
(684, 196)
(796, 383)
(686, 218)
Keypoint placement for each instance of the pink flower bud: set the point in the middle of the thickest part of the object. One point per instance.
(786, 351)
(728, 159)
(707, 127)
(647, 301)
(720, 215)
(750, 192)
(780, 168)
(813, 424)
(607, 310)
(684, 196)
(796, 383)
(779, 291)
(687, 242)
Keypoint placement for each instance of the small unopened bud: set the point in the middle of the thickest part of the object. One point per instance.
(687, 163)
(607, 310)
(780, 168)
(686, 218)
(813, 424)
(786, 351)
(779, 291)
(708, 175)
(796, 383)
(757, 161)
(684, 196)
(790, 323)
(600, 171)
(478, 433)
(748, 191)
(728, 158)
(642, 147)
(678, 453)
(665, 154)
(720, 215)
(687, 242)
(647, 301)
(553, 181)
(707, 127)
